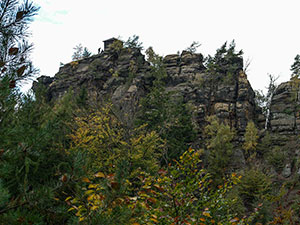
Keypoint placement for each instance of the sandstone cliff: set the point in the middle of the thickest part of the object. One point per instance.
(124, 78)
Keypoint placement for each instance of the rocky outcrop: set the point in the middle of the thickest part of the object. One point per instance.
(284, 128)
(229, 98)
(124, 77)
(108, 76)
(285, 110)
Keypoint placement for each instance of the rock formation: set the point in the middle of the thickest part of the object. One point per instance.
(285, 110)
(124, 77)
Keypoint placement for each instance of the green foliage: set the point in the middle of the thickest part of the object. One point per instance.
(193, 47)
(165, 113)
(295, 81)
(133, 42)
(116, 47)
(109, 142)
(15, 64)
(33, 161)
(276, 157)
(251, 139)
(22, 216)
(80, 52)
(62, 166)
(158, 70)
(295, 67)
(81, 99)
(285, 206)
(28, 156)
(226, 63)
(184, 194)
(295, 84)
(264, 145)
(4, 195)
(181, 194)
(86, 53)
(169, 118)
(219, 147)
(255, 186)
(14, 57)
(103, 199)
(121, 155)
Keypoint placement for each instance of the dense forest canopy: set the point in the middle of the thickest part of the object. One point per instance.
(84, 158)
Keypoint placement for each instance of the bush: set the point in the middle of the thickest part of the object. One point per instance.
(109, 142)
(254, 187)
(219, 147)
(276, 158)
(180, 194)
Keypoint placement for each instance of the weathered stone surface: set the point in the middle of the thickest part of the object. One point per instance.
(209, 94)
(287, 170)
(172, 60)
(284, 110)
(124, 79)
(221, 107)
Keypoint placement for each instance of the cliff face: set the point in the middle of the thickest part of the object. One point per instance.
(285, 110)
(229, 98)
(125, 77)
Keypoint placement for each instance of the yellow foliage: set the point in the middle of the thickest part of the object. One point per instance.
(86, 180)
(108, 142)
(206, 213)
(100, 174)
(251, 136)
(74, 63)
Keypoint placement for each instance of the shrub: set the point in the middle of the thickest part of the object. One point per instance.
(219, 147)
(255, 186)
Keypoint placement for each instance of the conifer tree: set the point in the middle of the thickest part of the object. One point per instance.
(295, 67)
(225, 64)
(133, 42)
(251, 138)
(219, 146)
(295, 79)
(80, 52)
(15, 65)
(15, 17)
(33, 161)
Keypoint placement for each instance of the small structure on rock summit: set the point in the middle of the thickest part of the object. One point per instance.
(109, 42)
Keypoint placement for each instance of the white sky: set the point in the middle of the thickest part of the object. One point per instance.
(266, 30)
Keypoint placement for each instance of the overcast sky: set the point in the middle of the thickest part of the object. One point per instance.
(266, 30)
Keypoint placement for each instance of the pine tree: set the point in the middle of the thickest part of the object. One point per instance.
(14, 49)
(295, 79)
(193, 47)
(219, 147)
(295, 68)
(33, 134)
(251, 138)
(225, 64)
(86, 53)
(80, 52)
(35, 170)
(133, 42)
(15, 65)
